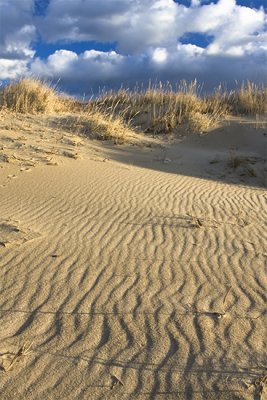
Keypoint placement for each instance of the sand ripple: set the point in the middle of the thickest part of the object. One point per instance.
(140, 285)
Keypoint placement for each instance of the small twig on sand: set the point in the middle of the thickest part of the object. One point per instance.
(226, 294)
(24, 350)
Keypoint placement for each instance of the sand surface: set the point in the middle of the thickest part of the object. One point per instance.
(132, 272)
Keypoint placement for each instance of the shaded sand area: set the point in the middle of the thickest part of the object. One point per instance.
(132, 272)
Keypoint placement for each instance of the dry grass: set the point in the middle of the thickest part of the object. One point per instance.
(96, 124)
(158, 109)
(234, 159)
(250, 99)
(30, 96)
(162, 109)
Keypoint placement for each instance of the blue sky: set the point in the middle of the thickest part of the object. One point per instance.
(90, 43)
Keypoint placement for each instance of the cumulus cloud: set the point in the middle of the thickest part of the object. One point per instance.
(93, 69)
(17, 32)
(12, 69)
(90, 69)
(136, 25)
(133, 24)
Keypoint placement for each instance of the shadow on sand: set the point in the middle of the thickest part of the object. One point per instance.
(234, 153)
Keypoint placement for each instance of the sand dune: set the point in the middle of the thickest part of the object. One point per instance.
(131, 275)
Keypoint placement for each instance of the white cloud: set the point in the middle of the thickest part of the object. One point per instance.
(133, 24)
(136, 25)
(90, 66)
(160, 55)
(93, 69)
(17, 32)
(11, 69)
(195, 3)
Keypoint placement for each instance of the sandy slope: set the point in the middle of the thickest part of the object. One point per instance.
(132, 277)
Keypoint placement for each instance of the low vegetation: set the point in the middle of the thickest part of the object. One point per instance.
(30, 96)
(99, 125)
(163, 109)
(250, 99)
(155, 110)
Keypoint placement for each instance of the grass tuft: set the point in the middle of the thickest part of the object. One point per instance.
(96, 124)
(30, 96)
(251, 99)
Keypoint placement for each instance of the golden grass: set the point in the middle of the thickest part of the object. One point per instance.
(97, 125)
(30, 96)
(158, 109)
(250, 99)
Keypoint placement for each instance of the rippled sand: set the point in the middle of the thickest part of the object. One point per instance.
(130, 277)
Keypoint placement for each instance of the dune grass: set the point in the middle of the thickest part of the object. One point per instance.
(95, 125)
(250, 99)
(155, 110)
(162, 109)
(30, 96)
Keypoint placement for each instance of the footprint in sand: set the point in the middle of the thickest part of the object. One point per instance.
(11, 234)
